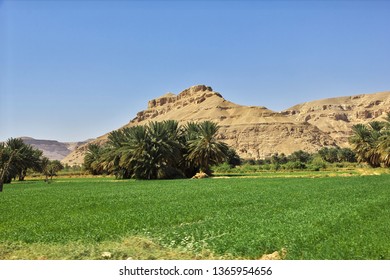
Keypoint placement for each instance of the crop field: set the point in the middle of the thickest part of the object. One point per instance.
(228, 218)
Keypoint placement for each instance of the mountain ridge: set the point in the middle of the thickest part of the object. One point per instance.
(53, 149)
(257, 132)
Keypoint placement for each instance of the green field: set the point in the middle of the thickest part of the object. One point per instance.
(243, 218)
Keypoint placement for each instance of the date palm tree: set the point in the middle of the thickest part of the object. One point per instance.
(92, 159)
(6, 157)
(157, 150)
(383, 149)
(363, 141)
(383, 146)
(204, 149)
(371, 142)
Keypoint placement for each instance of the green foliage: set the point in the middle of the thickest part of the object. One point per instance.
(371, 142)
(292, 165)
(233, 159)
(16, 158)
(337, 154)
(299, 156)
(92, 159)
(204, 149)
(50, 168)
(279, 159)
(159, 150)
(322, 218)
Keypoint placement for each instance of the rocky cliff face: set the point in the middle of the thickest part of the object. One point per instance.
(254, 131)
(336, 116)
(257, 132)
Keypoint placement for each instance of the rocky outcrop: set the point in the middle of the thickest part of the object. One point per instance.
(170, 101)
(254, 131)
(257, 132)
(336, 116)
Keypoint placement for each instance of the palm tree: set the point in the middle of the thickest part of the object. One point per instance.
(383, 149)
(205, 149)
(130, 154)
(371, 142)
(158, 150)
(92, 159)
(6, 157)
(155, 150)
(363, 141)
(383, 146)
(24, 157)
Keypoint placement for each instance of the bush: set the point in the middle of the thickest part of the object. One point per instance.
(222, 168)
(292, 165)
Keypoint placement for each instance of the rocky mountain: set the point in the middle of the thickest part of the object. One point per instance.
(257, 132)
(53, 149)
(336, 116)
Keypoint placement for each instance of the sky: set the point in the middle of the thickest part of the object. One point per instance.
(73, 70)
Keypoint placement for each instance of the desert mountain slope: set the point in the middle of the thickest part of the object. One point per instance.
(336, 116)
(255, 132)
(52, 149)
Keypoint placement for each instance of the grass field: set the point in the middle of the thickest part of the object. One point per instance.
(311, 218)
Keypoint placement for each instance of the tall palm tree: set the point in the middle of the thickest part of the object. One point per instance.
(156, 150)
(132, 151)
(6, 157)
(371, 142)
(363, 141)
(92, 159)
(205, 149)
(383, 149)
(24, 157)
(383, 146)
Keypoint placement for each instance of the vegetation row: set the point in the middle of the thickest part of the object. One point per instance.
(167, 150)
(159, 150)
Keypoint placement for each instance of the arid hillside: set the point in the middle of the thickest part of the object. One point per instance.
(257, 132)
(336, 116)
(52, 149)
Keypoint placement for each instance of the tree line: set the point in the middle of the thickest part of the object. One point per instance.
(158, 150)
(166, 149)
(16, 158)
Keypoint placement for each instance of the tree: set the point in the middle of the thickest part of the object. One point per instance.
(155, 151)
(50, 168)
(16, 158)
(337, 154)
(233, 159)
(299, 156)
(346, 155)
(159, 150)
(371, 142)
(204, 149)
(6, 157)
(364, 142)
(92, 159)
(383, 148)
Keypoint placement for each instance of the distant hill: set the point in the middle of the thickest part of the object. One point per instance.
(257, 132)
(336, 116)
(53, 149)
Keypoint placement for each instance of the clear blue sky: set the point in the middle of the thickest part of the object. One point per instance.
(72, 70)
